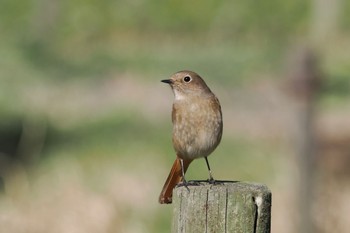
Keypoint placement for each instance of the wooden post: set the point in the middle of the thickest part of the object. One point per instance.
(225, 206)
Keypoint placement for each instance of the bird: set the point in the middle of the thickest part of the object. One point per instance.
(197, 127)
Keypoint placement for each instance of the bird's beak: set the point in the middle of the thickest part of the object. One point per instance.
(168, 81)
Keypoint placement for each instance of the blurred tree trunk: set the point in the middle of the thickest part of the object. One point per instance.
(324, 19)
(304, 81)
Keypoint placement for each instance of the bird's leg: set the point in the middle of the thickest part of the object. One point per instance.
(183, 172)
(184, 182)
(211, 179)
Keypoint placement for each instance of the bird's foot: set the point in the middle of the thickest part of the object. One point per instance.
(212, 181)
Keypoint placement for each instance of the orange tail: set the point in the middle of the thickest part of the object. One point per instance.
(175, 176)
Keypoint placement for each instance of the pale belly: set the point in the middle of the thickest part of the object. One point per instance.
(197, 132)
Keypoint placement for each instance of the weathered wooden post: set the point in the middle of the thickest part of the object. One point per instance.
(225, 206)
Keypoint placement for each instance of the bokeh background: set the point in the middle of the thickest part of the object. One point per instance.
(85, 128)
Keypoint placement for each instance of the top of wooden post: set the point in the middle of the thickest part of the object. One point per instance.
(225, 206)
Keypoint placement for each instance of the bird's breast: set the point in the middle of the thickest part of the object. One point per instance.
(197, 127)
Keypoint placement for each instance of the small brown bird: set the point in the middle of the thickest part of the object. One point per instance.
(197, 126)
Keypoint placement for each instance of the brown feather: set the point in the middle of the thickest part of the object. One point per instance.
(174, 177)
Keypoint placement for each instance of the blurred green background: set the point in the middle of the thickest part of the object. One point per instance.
(85, 128)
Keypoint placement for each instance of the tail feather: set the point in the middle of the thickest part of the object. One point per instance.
(175, 177)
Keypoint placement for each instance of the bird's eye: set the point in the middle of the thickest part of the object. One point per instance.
(187, 79)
